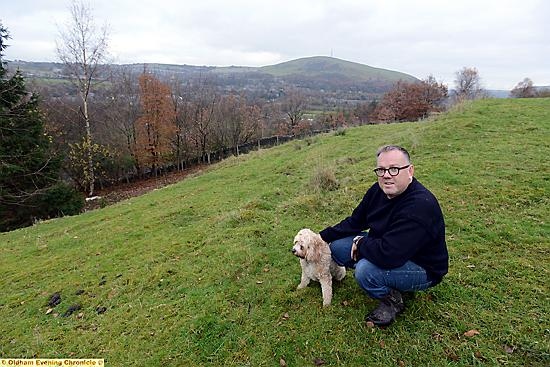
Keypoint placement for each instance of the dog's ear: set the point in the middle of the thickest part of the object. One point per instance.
(314, 247)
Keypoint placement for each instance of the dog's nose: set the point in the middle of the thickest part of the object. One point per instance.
(293, 250)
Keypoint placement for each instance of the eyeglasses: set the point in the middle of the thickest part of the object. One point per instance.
(393, 171)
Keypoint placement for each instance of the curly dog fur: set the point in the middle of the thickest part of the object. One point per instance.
(316, 262)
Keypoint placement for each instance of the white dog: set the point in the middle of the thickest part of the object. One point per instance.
(316, 262)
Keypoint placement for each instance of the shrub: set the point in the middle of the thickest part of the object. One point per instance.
(55, 201)
(60, 200)
(324, 179)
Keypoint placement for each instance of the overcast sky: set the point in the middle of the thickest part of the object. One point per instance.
(506, 40)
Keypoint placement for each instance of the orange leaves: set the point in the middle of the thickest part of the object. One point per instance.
(410, 101)
(156, 126)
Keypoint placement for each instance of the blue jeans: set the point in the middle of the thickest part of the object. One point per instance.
(375, 281)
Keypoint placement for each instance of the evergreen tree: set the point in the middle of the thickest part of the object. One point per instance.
(29, 175)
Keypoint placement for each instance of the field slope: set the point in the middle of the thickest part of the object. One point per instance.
(200, 273)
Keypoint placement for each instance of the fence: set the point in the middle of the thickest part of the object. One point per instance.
(208, 158)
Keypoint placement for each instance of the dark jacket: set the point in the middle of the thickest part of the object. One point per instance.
(407, 227)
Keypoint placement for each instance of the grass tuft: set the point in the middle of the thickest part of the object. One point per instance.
(323, 179)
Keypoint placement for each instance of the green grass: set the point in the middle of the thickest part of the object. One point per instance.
(200, 273)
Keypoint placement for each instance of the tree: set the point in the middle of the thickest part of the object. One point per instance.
(237, 123)
(434, 93)
(78, 153)
(82, 47)
(411, 101)
(155, 128)
(524, 89)
(364, 111)
(181, 102)
(4, 36)
(468, 84)
(120, 109)
(201, 117)
(29, 172)
(293, 106)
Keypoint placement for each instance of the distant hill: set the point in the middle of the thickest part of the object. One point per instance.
(327, 81)
(323, 67)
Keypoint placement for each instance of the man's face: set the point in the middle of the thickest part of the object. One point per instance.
(394, 185)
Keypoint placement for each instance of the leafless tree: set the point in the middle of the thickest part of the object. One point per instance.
(237, 122)
(293, 106)
(82, 47)
(434, 93)
(468, 84)
(202, 116)
(182, 96)
(524, 89)
(123, 108)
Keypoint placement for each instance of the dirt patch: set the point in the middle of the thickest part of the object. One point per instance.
(116, 193)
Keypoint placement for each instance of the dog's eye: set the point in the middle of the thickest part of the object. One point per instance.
(301, 247)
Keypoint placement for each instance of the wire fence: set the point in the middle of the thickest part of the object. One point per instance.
(205, 159)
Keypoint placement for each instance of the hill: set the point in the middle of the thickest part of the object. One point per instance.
(200, 272)
(317, 67)
(330, 68)
(322, 79)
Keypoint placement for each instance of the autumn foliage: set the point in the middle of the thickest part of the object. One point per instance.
(156, 126)
(411, 101)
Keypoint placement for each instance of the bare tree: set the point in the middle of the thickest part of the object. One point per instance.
(434, 93)
(182, 103)
(122, 110)
(82, 47)
(524, 89)
(237, 122)
(468, 84)
(202, 116)
(293, 106)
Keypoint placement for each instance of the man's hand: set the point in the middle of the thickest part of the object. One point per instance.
(355, 247)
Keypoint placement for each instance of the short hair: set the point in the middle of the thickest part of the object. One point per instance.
(389, 148)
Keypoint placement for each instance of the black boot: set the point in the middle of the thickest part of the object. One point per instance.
(389, 307)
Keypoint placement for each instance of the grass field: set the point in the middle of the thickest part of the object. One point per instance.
(200, 273)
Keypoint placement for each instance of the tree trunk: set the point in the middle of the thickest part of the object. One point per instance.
(91, 175)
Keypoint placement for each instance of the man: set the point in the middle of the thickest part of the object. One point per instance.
(404, 249)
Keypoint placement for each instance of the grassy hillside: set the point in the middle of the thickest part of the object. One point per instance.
(322, 66)
(200, 273)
